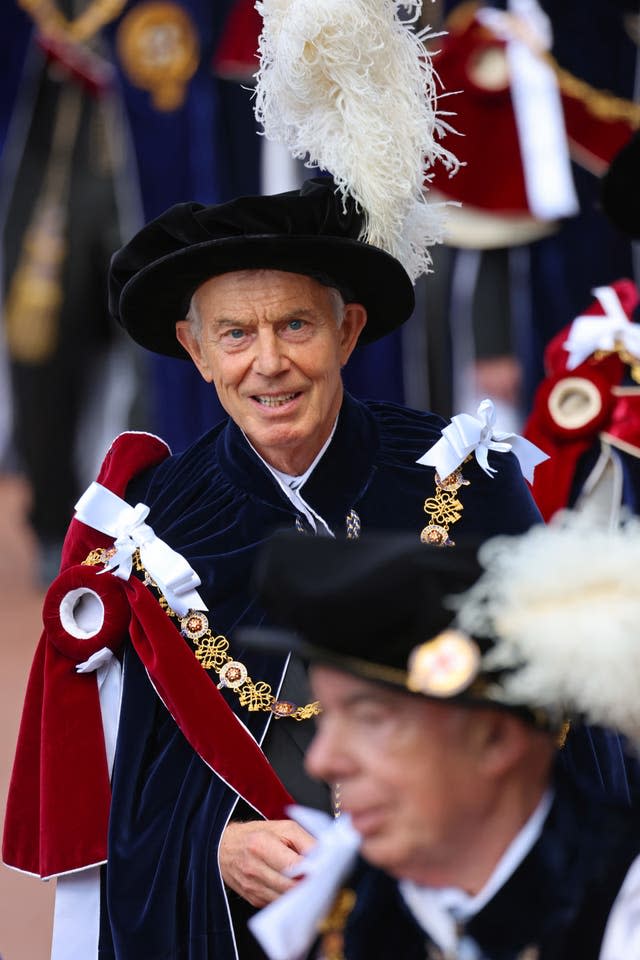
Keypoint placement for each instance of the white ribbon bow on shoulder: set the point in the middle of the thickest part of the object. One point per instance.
(107, 512)
(589, 333)
(287, 928)
(466, 434)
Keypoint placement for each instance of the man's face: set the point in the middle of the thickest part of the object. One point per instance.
(407, 771)
(271, 344)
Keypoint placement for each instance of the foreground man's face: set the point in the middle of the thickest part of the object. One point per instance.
(406, 771)
(271, 345)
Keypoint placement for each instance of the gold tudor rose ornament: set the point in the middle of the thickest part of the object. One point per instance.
(444, 666)
(158, 47)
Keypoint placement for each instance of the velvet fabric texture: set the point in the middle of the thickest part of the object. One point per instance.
(342, 600)
(163, 898)
(557, 902)
(216, 504)
(307, 231)
(51, 830)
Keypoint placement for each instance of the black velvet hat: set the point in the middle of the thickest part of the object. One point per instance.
(377, 607)
(620, 189)
(153, 277)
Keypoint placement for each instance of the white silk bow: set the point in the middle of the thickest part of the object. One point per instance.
(105, 511)
(589, 333)
(466, 434)
(287, 928)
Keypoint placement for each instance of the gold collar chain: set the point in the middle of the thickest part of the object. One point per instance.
(212, 652)
(52, 22)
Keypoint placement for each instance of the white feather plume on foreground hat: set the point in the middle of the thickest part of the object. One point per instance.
(563, 602)
(348, 87)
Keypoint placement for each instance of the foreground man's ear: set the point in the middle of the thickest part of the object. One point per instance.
(504, 741)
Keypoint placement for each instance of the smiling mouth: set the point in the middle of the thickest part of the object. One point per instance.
(274, 401)
(367, 821)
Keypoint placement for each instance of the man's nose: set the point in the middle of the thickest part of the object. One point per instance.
(270, 356)
(326, 758)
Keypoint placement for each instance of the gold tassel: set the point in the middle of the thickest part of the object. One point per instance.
(35, 293)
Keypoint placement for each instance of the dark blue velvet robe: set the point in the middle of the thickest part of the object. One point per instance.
(216, 503)
(557, 901)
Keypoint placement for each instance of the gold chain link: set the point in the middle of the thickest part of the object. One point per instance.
(212, 652)
(443, 509)
(81, 28)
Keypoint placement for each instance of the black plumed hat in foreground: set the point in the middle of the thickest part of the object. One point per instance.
(544, 623)
(377, 607)
(620, 189)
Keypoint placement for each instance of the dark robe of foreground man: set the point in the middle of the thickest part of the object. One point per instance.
(442, 723)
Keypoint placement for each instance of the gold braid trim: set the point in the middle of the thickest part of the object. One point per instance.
(52, 22)
(601, 103)
(332, 927)
(212, 652)
(444, 509)
(632, 362)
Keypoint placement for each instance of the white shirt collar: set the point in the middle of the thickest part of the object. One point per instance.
(438, 910)
(295, 482)
(291, 485)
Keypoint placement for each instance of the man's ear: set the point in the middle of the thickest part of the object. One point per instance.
(500, 741)
(353, 321)
(188, 339)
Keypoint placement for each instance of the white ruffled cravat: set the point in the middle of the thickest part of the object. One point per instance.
(287, 928)
(467, 434)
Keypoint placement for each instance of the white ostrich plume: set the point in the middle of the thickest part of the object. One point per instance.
(564, 603)
(348, 87)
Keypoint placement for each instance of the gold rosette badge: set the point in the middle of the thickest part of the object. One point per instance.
(158, 47)
(444, 666)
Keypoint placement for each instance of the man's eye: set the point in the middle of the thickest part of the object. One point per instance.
(295, 324)
(236, 334)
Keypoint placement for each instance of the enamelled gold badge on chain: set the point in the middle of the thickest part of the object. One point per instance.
(443, 509)
(159, 50)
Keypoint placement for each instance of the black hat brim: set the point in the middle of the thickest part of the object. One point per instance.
(158, 295)
(277, 640)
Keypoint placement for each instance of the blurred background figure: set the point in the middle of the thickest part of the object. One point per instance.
(543, 107)
(65, 204)
(110, 113)
(586, 411)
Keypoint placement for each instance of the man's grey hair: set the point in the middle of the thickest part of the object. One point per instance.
(194, 318)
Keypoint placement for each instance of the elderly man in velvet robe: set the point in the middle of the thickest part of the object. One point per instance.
(157, 794)
(447, 678)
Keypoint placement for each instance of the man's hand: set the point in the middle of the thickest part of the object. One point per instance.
(253, 855)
